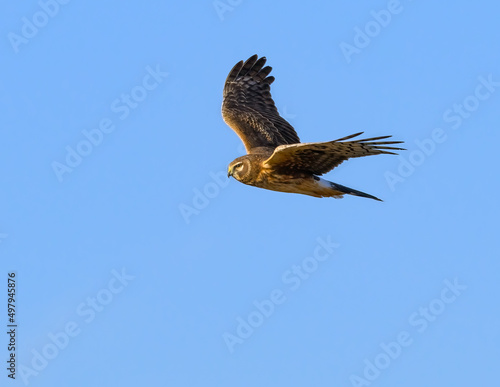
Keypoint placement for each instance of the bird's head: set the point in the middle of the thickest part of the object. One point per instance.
(240, 169)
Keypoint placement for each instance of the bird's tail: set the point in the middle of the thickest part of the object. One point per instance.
(350, 191)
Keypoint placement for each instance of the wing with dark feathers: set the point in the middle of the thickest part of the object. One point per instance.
(320, 157)
(249, 109)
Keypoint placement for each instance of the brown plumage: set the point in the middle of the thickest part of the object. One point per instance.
(276, 159)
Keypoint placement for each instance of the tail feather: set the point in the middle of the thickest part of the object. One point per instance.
(350, 191)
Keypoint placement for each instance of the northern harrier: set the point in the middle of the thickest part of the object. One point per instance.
(276, 159)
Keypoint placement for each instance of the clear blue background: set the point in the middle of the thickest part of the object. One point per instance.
(194, 276)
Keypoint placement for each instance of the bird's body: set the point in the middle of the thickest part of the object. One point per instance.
(276, 159)
(300, 182)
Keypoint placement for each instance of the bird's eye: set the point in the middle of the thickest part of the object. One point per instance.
(238, 166)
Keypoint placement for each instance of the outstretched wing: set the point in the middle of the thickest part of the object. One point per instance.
(249, 109)
(320, 157)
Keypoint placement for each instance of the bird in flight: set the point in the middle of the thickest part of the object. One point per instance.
(276, 159)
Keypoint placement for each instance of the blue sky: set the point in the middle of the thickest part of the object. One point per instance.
(139, 263)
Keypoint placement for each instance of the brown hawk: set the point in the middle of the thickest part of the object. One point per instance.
(276, 159)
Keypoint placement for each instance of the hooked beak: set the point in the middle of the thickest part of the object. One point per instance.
(229, 172)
